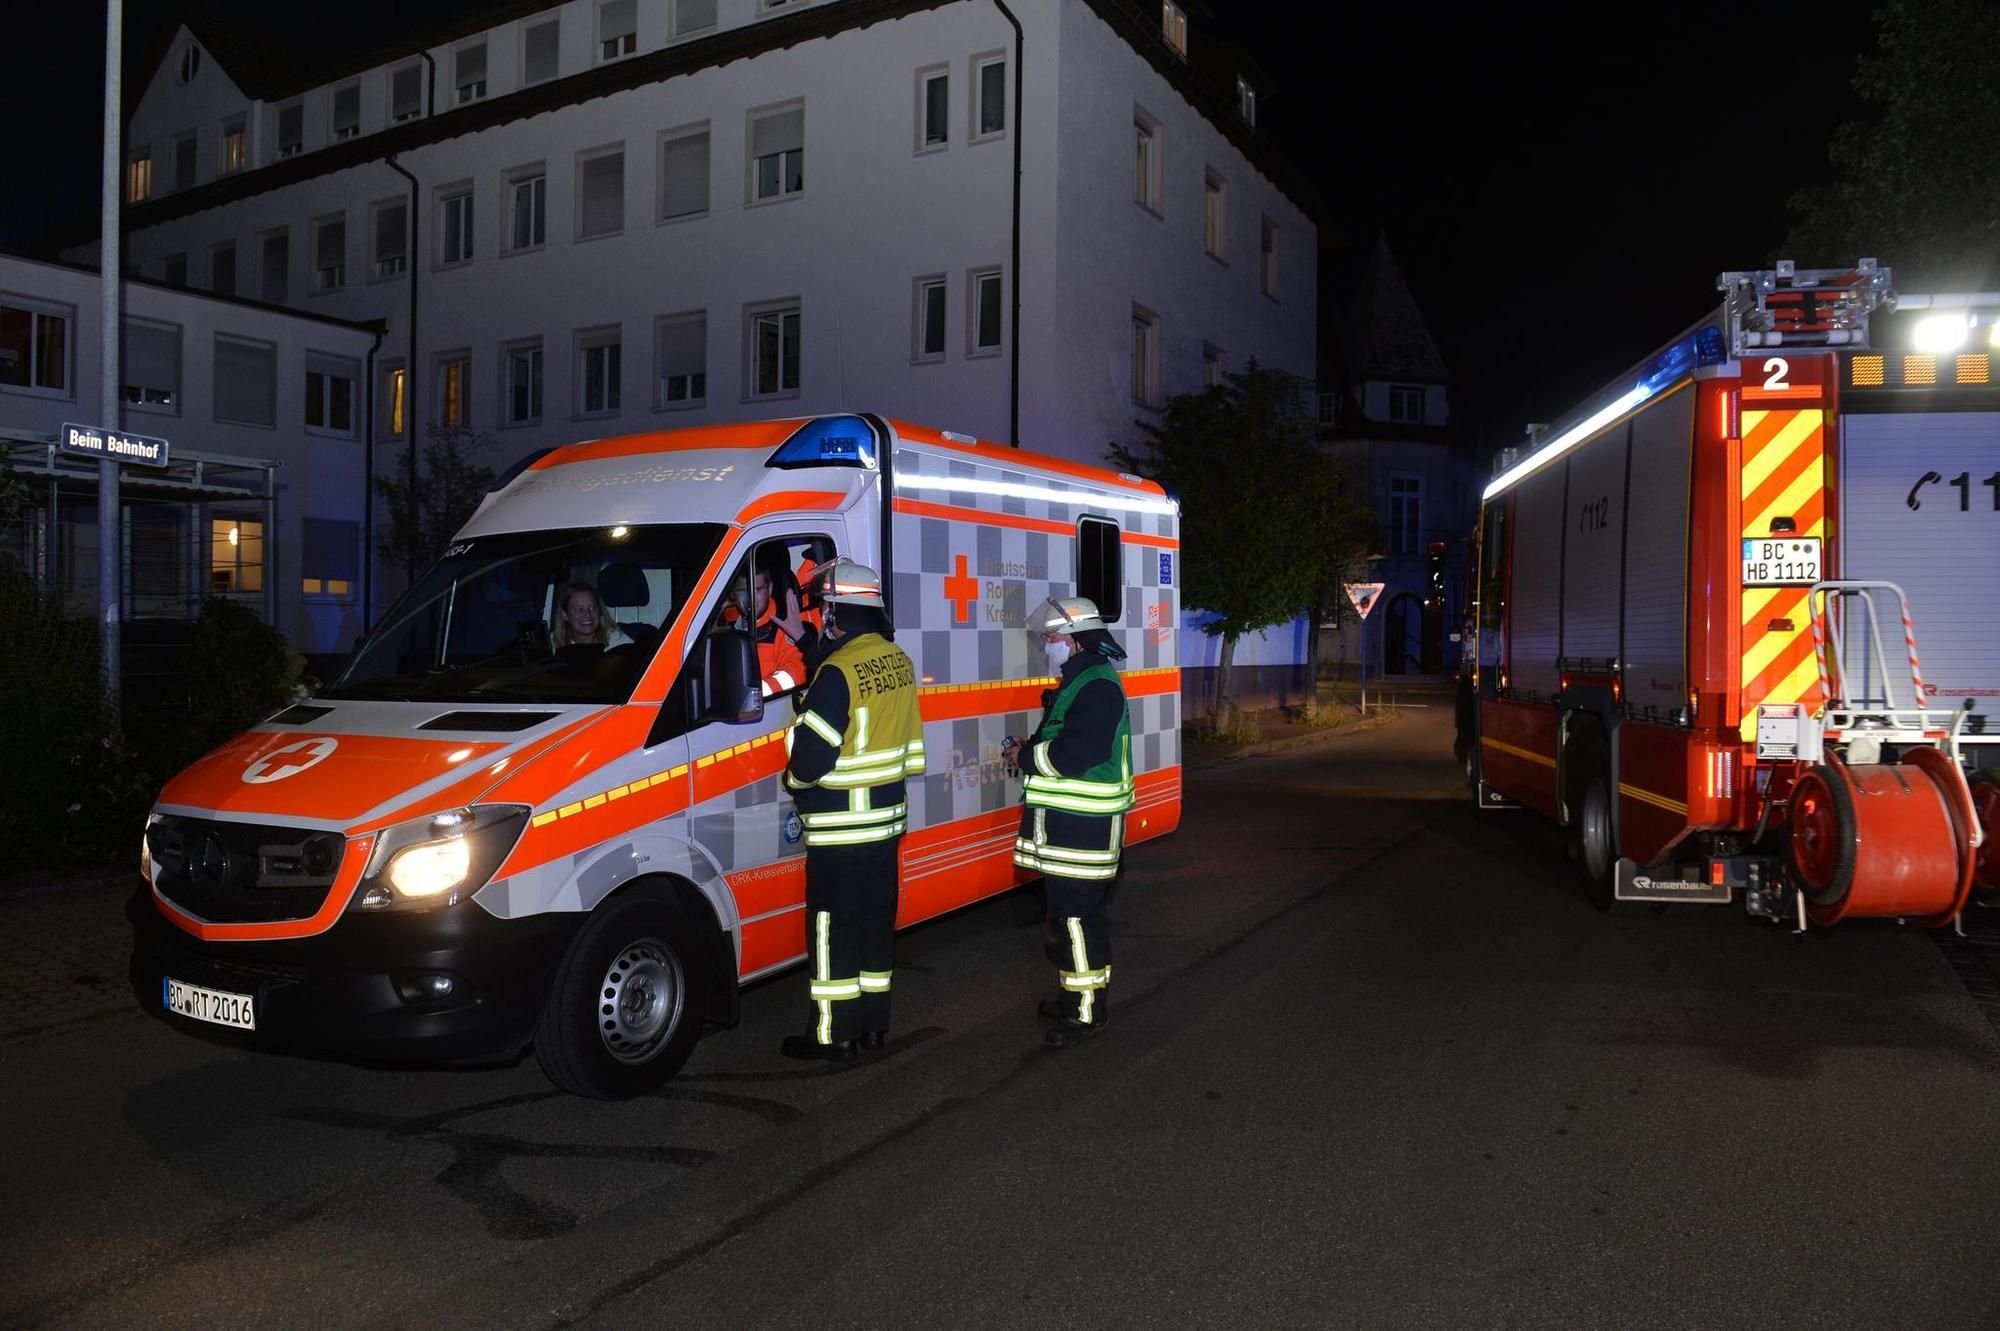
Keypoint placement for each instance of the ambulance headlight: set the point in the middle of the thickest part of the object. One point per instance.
(440, 859)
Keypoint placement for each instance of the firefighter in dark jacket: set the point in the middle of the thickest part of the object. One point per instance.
(856, 740)
(1078, 766)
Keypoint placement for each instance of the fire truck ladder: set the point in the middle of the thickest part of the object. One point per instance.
(1873, 837)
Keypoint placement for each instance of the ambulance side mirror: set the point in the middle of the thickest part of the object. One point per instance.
(731, 683)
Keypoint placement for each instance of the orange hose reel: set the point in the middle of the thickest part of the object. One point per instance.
(1884, 839)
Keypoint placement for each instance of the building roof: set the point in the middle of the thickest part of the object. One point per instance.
(1385, 336)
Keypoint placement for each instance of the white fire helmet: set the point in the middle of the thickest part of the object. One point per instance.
(1064, 614)
(844, 582)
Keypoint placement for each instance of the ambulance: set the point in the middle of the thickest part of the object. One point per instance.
(481, 838)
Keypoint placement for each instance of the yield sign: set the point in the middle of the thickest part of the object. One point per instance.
(1364, 595)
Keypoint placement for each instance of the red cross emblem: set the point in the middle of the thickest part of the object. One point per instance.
(961, 590)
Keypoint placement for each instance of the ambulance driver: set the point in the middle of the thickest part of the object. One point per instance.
(580, 618)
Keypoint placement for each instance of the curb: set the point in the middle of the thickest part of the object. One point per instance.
(1236, 753)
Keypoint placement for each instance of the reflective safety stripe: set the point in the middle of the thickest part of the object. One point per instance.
(782, 681)
(875, 982)
(1048, 852)
(822, 972)
(1040, 754)
(836, 990)
(1080, 980)
(854, 817)
(1080, 958)
(1034, 859)
(820, 727)
(859, 836)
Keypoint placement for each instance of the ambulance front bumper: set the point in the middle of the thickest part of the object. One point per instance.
(451, 985)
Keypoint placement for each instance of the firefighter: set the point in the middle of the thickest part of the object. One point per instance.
(856, 740)
(1078, 765)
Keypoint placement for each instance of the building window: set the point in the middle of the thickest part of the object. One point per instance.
(684, 174)
(454, 383)
(291, 129)
(330, 253)
(346, 112)
(236, 555)
(139, 176)
(150, 357)
(777, 153)
(1215, 215)
(1268, 252)
(455, 226)
(1211, 365)
(174, 270)
(692, 16)
(395, 400)
(989, 92)
(184, 168)
(222, 268)
(1406, 404)
(406, 93)
(190, 63)
(1326, 409)
(468, 72)
(1173, 25)
(933, 108)
(527, 209)
(984, 335)
(330, 558)
(521, 363)
(681, 346)
(600, 371)
(235, 145)
(275, 267)
(541, 52)
(1145, 357)
(1405, 521)
(1100, 567)
(246, 382)
(1246, 101)
(617, 29)
(600, 193)
(392, 238)
(34, 346)
(330, 394)
(774, 351)
(928, 319)
(1146, 182)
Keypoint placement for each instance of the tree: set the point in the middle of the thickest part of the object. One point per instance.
(1915, 181)
(1337, 523)
(422, 521)
(1258, 503)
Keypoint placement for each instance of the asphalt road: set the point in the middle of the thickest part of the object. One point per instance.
(1372, 1062)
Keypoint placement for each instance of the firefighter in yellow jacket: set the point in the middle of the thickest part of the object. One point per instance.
(857, 739)
(1078, 766)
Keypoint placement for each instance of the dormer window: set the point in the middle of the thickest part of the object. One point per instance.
(1246, 101)
(1173, 26)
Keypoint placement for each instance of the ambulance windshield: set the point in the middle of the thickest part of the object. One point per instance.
(537, 617)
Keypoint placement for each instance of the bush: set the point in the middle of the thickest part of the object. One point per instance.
(64, 792)
(238, 670)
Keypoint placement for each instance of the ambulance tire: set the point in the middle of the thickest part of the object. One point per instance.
(628, 1001)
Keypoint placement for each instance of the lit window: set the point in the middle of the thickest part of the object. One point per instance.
(236, 556)
(454, 379)
(235, 146)
(1246, 101)
(139, 177)
(1173, 25)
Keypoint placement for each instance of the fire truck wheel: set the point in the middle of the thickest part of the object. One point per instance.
(627, 1003)
(1597, 852)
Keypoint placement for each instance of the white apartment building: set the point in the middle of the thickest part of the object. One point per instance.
(608, 216)
(262, 496)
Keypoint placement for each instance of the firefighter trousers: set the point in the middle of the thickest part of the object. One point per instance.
(1080, 944)
(850, 937)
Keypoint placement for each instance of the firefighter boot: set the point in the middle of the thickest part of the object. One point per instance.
(1069, 1031)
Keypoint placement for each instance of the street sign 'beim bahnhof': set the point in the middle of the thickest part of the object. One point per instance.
(91, 441)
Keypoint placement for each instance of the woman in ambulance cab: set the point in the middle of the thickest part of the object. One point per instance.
(580, 619)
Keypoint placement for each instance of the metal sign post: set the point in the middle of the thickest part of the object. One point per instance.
(1364, 595)
(110, 517)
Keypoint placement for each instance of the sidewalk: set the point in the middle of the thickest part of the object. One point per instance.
(64, 941)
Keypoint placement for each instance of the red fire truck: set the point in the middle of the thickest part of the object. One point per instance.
(1700, 600)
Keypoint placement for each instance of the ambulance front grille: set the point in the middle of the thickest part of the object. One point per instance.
(242, 873)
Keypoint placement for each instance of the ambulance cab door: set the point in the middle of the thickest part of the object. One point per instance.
(741, 816)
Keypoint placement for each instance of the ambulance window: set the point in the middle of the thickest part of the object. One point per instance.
(1100, 568)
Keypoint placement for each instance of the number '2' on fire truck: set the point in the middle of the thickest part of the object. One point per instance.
(1700, 598)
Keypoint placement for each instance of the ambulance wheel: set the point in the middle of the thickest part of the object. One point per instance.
(627, 1003)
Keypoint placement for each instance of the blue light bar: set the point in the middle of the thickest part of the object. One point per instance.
(1703, 346)
(829, 441)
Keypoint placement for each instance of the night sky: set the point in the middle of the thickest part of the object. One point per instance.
(1561, 184)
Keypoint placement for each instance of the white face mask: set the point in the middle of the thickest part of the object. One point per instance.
(1057, 652)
